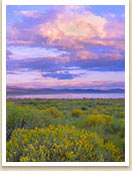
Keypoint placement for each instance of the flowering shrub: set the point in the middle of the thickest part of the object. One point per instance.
(57, 144)
(77, 113)
(100, 119)
(53, 112)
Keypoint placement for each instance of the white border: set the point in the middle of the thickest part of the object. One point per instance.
(65, 2)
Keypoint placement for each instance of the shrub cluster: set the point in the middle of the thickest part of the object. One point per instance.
(97, 120)
(77, 113)
(65, 130)
(60, 143)
(27, 116)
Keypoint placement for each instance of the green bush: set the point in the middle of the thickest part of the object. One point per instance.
(117, 126)
(40, 107)
(14, 117)
(83, 107)
(53, 112)
(34, 102)
(19, 116)
(77, 113)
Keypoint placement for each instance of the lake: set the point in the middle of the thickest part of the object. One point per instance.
(71, 96)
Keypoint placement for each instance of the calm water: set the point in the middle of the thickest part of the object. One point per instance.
(72, 96)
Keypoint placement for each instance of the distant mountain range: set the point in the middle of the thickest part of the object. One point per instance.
(22, 91)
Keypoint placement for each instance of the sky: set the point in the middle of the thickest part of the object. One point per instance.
(65, 46)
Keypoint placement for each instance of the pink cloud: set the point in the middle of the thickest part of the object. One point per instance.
(36, 81)
(13, 32)
(75, 25)
(74, 30)
(83, 54)
(115, 56)
(71, 27)
(19, 42)
(115, 29)
(59, 59)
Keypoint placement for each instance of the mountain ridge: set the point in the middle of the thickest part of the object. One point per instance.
(18, 90)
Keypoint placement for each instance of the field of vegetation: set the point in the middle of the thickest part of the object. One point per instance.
(65, 130)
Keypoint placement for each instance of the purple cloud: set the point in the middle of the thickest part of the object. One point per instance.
(61, 76)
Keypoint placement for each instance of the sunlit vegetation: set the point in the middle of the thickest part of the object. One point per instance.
(65, 130)
(77, 113)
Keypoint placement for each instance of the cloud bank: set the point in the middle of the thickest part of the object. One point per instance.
(83, 41)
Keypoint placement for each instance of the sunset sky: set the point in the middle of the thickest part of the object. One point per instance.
(66, 46)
